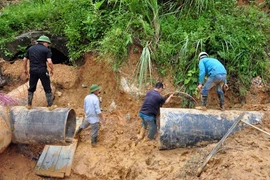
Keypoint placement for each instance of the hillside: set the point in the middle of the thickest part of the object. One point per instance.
(119, 155)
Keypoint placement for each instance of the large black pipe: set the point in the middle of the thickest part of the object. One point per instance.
(181, 127)
(41, 126)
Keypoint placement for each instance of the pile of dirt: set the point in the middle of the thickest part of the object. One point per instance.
(119, 154)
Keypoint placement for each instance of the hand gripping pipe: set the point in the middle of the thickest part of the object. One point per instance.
(36, 126)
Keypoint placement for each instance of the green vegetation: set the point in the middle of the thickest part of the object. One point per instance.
(145, 67)
(174, 33)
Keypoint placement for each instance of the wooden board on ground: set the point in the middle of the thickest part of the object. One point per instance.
(56, 161)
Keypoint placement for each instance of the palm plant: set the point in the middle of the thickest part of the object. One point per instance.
(145, 67)
(155, 19)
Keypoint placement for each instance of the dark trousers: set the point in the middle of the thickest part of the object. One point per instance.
(45, 81)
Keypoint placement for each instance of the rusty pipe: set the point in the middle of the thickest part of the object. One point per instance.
(5, 130)
(36, 126)
(41, 126)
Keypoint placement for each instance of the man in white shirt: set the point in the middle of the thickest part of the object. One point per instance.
(92, 114)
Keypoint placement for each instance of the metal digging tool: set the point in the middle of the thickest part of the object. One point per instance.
(256, 127)
(199, 171)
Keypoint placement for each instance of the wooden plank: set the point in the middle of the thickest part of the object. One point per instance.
(51, 158)
(47, 164)
(50, 174)
(48, 157)
(73, 147)
(62, 162)
(66, 157)
(56, 161)
(41, 158)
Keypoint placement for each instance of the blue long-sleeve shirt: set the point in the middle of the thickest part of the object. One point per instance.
(91, 108)
(210, 67)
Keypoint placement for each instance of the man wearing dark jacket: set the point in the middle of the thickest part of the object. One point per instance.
(150, 108)
(39, 55)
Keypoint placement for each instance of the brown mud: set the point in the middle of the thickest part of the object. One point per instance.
(119, 155)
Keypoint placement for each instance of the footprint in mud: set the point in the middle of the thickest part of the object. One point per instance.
(148, 161)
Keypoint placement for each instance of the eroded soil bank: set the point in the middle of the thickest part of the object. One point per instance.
(119, 155)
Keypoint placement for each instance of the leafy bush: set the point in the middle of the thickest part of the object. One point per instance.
(238, 41)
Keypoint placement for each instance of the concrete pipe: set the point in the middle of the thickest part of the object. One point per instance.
(186, 127)
(20, 94)
(41, 126)
(5, 130)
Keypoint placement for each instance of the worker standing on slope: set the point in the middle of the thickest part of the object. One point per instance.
(216, 73)
(149, 110)
(39, 55)
(92, 114)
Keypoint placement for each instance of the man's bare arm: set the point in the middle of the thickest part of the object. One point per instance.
(50, 64)
(101, 117)
(168, 99)
(25, 65)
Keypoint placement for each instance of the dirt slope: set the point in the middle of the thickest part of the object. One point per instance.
(245, 155)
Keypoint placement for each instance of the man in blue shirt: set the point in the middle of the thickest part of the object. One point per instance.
(216, 73)
(92, 114)
(149, 110)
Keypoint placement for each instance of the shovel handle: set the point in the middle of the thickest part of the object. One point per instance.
(200, 170)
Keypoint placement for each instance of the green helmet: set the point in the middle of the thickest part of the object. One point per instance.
(44, 39)
(94, 88)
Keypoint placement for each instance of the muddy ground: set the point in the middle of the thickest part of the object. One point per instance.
(118, 155)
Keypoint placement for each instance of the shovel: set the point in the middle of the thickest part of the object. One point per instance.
(199, 171)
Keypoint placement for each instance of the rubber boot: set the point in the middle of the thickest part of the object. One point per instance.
(141, 134)
(221, 102)
(203, 103)
(94, 141)
(49, 98)
(77, 133)
(30, 99)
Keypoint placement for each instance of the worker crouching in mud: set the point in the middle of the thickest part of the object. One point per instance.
(149, 110)
(92, 114)
(216, 73)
